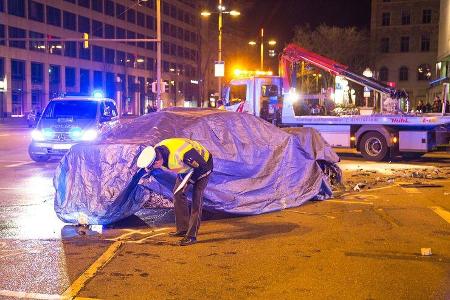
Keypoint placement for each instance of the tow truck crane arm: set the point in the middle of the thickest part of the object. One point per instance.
(294, 53)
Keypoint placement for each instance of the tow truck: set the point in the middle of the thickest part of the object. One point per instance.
(313, 91)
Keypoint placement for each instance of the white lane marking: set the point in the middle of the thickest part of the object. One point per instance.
(441, 212)
(4, 134)
(19, 164)
(25, 295)
(81, 281)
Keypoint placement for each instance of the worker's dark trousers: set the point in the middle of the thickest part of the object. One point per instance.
(183, 221)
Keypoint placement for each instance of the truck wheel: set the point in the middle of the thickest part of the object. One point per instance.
(374, 147)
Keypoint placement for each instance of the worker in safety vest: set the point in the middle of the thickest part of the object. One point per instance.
(181, 156)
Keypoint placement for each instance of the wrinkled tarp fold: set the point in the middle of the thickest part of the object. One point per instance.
(258, 167)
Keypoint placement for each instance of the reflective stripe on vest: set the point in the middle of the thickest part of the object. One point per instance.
(177, 148)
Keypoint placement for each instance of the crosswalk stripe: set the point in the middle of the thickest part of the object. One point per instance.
(441, 212)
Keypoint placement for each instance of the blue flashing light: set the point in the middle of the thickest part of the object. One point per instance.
(98, 94)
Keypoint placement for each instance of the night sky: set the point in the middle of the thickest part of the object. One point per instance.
(279, 17)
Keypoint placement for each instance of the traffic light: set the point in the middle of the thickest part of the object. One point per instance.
(86, 40)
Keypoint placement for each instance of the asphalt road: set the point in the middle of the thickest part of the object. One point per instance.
(360, 245)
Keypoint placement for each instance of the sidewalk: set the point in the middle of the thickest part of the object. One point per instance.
(13, 123)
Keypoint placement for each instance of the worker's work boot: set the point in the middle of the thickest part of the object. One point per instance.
(188, 240)
(178, 233)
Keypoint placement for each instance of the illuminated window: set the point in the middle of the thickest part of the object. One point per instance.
(37, 42)
(424, 72)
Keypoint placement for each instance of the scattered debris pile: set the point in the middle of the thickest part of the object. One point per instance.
(365, 179)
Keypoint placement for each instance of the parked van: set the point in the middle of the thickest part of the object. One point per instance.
(67, 121)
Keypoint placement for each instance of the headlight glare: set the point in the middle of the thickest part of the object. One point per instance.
(89, 135)
(37, 135)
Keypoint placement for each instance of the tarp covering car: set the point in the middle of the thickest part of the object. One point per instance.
(258, 167)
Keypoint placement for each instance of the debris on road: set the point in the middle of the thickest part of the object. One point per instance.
(358, 178)
(425, 251)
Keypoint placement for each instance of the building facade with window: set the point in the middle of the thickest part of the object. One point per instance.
(41, 58)
(404, 37)
(443, 55)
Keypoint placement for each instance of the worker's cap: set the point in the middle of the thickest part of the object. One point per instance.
(147, 157)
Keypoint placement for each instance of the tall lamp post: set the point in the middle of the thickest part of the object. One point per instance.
(219, 66)
(270, 42)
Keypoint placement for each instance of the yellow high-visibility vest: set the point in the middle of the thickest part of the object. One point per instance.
(177, 148)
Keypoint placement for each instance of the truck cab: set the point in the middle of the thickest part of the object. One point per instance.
(257, 95)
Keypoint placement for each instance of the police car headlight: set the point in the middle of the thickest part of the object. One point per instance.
(89, 135)
(37, 135)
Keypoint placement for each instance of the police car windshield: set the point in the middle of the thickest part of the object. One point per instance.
(75, 109)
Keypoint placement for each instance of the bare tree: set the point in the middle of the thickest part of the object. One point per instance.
(348, 46)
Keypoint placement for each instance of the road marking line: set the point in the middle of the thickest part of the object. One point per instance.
(81, 281)
(4, 134)
(411, 190)
(19, 164)
(349, 202)
(25, 295)
(145, 238)
(441, 212)
(134, 231)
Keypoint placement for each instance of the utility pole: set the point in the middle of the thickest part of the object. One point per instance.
(262, 49)
(219, 59)
(158, 55)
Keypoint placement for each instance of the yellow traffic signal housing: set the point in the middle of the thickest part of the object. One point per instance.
(86, 40)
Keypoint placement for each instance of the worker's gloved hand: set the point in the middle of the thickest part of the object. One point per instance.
(148, 172)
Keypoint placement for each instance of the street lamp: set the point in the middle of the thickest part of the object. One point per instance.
(270, 43)
(220, 11)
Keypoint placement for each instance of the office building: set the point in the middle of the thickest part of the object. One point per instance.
(42, 54)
